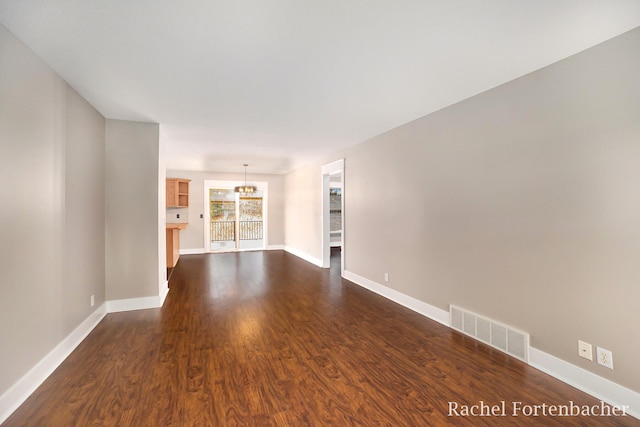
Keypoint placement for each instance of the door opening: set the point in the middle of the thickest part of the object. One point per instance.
(237, 221)
(333, 214)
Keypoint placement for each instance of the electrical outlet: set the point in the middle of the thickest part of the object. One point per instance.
(605, 357)
(93, 300)
(585, 350)
(386, 277)
(177, 215)
(201, 215)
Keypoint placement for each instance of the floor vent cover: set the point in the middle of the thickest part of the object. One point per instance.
(505, 338)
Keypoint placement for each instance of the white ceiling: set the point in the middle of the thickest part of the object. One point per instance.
(276, 83)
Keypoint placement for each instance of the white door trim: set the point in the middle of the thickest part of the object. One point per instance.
(260, 185)
(327, 170)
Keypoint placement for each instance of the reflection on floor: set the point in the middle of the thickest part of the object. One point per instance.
(264, 338)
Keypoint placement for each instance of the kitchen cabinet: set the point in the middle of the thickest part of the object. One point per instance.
(177, 192)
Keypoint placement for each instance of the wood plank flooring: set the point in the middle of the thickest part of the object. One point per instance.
(266, 339)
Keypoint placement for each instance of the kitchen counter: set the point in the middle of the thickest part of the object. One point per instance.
(177, 225)
(173, 242)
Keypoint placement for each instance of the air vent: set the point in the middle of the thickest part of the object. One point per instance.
(505, 338)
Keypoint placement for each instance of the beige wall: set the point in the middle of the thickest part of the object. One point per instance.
(132, 200)
(84, 242)
(193, 236)
(521, 204)
(303, 210)
(52, 209)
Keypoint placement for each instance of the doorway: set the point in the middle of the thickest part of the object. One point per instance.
(236, 221)
(333, 214)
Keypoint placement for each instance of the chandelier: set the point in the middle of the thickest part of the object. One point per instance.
(245, 188)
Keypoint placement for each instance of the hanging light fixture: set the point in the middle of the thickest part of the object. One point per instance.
(245, 188)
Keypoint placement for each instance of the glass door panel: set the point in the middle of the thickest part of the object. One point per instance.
(237, 220)
(222, 205)
(250, 221)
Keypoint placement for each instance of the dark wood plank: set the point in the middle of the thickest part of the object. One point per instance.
(266, 339)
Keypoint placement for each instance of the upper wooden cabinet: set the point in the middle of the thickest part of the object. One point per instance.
(177, 192)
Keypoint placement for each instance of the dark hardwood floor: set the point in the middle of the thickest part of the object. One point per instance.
(266, 339)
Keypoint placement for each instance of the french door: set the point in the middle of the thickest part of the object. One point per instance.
(236, 220)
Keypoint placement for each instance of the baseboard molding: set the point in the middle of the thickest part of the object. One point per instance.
(588, 382)
(199, 251)
(595, 385)
(427, 310)
(21, 390)
(193, 251)
(304, 256)
(163, 294)
(116, 306)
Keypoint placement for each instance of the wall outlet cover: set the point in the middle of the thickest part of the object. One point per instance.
(604, 357)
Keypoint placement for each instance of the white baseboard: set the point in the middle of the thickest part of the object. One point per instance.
(163, 294)
(198, 251)
(21, 390)
(588, 382)
(595, 385)
(143, 303)
(192, 251)
(305, 256)
(430, 311)
(25, 386)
